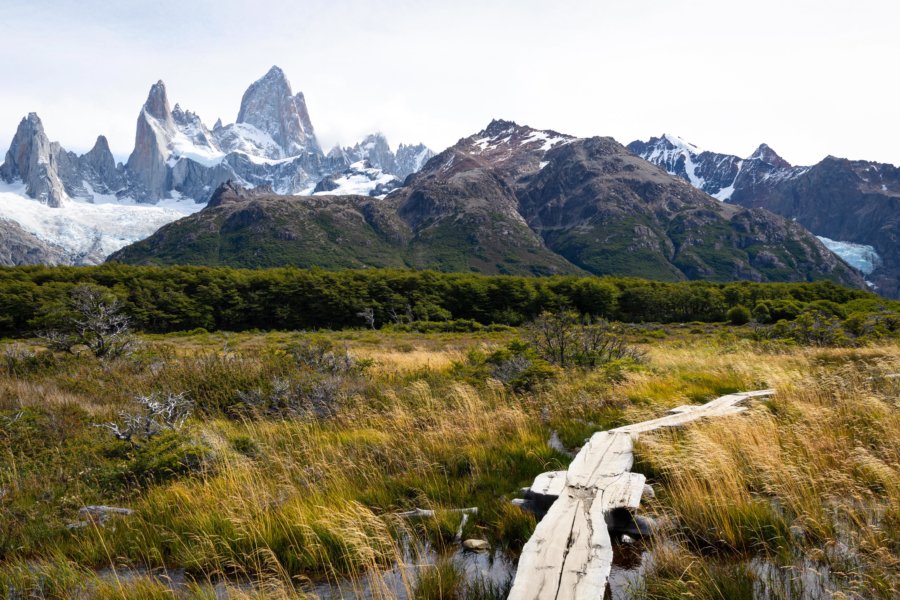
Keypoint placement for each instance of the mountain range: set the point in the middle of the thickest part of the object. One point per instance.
(176, 164)
(852, 205)
(509, 199)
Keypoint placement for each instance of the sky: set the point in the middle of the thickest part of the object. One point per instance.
(810, 78)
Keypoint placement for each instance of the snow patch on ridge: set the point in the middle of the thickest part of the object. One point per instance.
(361, 179)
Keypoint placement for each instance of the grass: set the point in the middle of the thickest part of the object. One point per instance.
(806, 480)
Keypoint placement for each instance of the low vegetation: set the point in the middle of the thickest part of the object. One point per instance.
(273, 464)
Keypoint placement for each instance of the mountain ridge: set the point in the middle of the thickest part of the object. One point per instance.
(512, 199)
(852, 205)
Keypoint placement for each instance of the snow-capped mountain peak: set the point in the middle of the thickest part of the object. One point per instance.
(682, 144)
(271, 107)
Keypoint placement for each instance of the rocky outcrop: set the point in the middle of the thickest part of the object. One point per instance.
(411, 158)
(147, 168)
(20, 247)
(32, 159)
(375, 150)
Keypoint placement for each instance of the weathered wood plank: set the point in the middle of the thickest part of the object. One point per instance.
(551, 483)
(540, 565)
(569, 556)
(606, 453)
(590, 556)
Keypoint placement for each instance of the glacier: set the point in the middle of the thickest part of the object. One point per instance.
(859, 256)
(89, 232)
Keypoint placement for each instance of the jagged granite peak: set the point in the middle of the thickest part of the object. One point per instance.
(157, 104)
(94, 172)
(32, 159)
(100, 158)
(270, 106)
(375, 149)
(765, 153)
(146, 165)
(173, 151)
(410, 158)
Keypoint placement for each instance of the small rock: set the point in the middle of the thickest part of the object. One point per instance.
(627, 539)
(98, 515)
(476, 545)
(797, 532)
(648, 491)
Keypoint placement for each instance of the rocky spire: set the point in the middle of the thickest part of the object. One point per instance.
(157, 104)
(147, 163)
(100, 166)
(32, 159)
(270, 106)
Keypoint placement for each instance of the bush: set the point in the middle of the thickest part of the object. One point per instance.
(813, 328)
(566, 340)
(739, 315)
(517, 365)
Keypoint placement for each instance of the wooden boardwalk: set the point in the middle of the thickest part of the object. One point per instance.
(569, 556)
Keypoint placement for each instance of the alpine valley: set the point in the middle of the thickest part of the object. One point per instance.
(261, 192)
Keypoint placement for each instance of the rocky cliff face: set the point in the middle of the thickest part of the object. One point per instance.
(853, 205)
(147, 166)
(375, 150)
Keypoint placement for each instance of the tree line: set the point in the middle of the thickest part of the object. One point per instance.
(181, 298)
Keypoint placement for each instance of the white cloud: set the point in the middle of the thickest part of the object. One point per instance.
(809, 78)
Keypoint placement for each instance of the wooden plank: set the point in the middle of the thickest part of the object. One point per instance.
(569, 556)
(606, 453)
(551, 483)
(540, 564)
(590, 556)
(624, 491)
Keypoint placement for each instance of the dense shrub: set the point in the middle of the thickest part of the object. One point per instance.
(739, 315)
(567, 340)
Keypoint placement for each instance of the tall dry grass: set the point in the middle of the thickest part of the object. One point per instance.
(807, 480)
